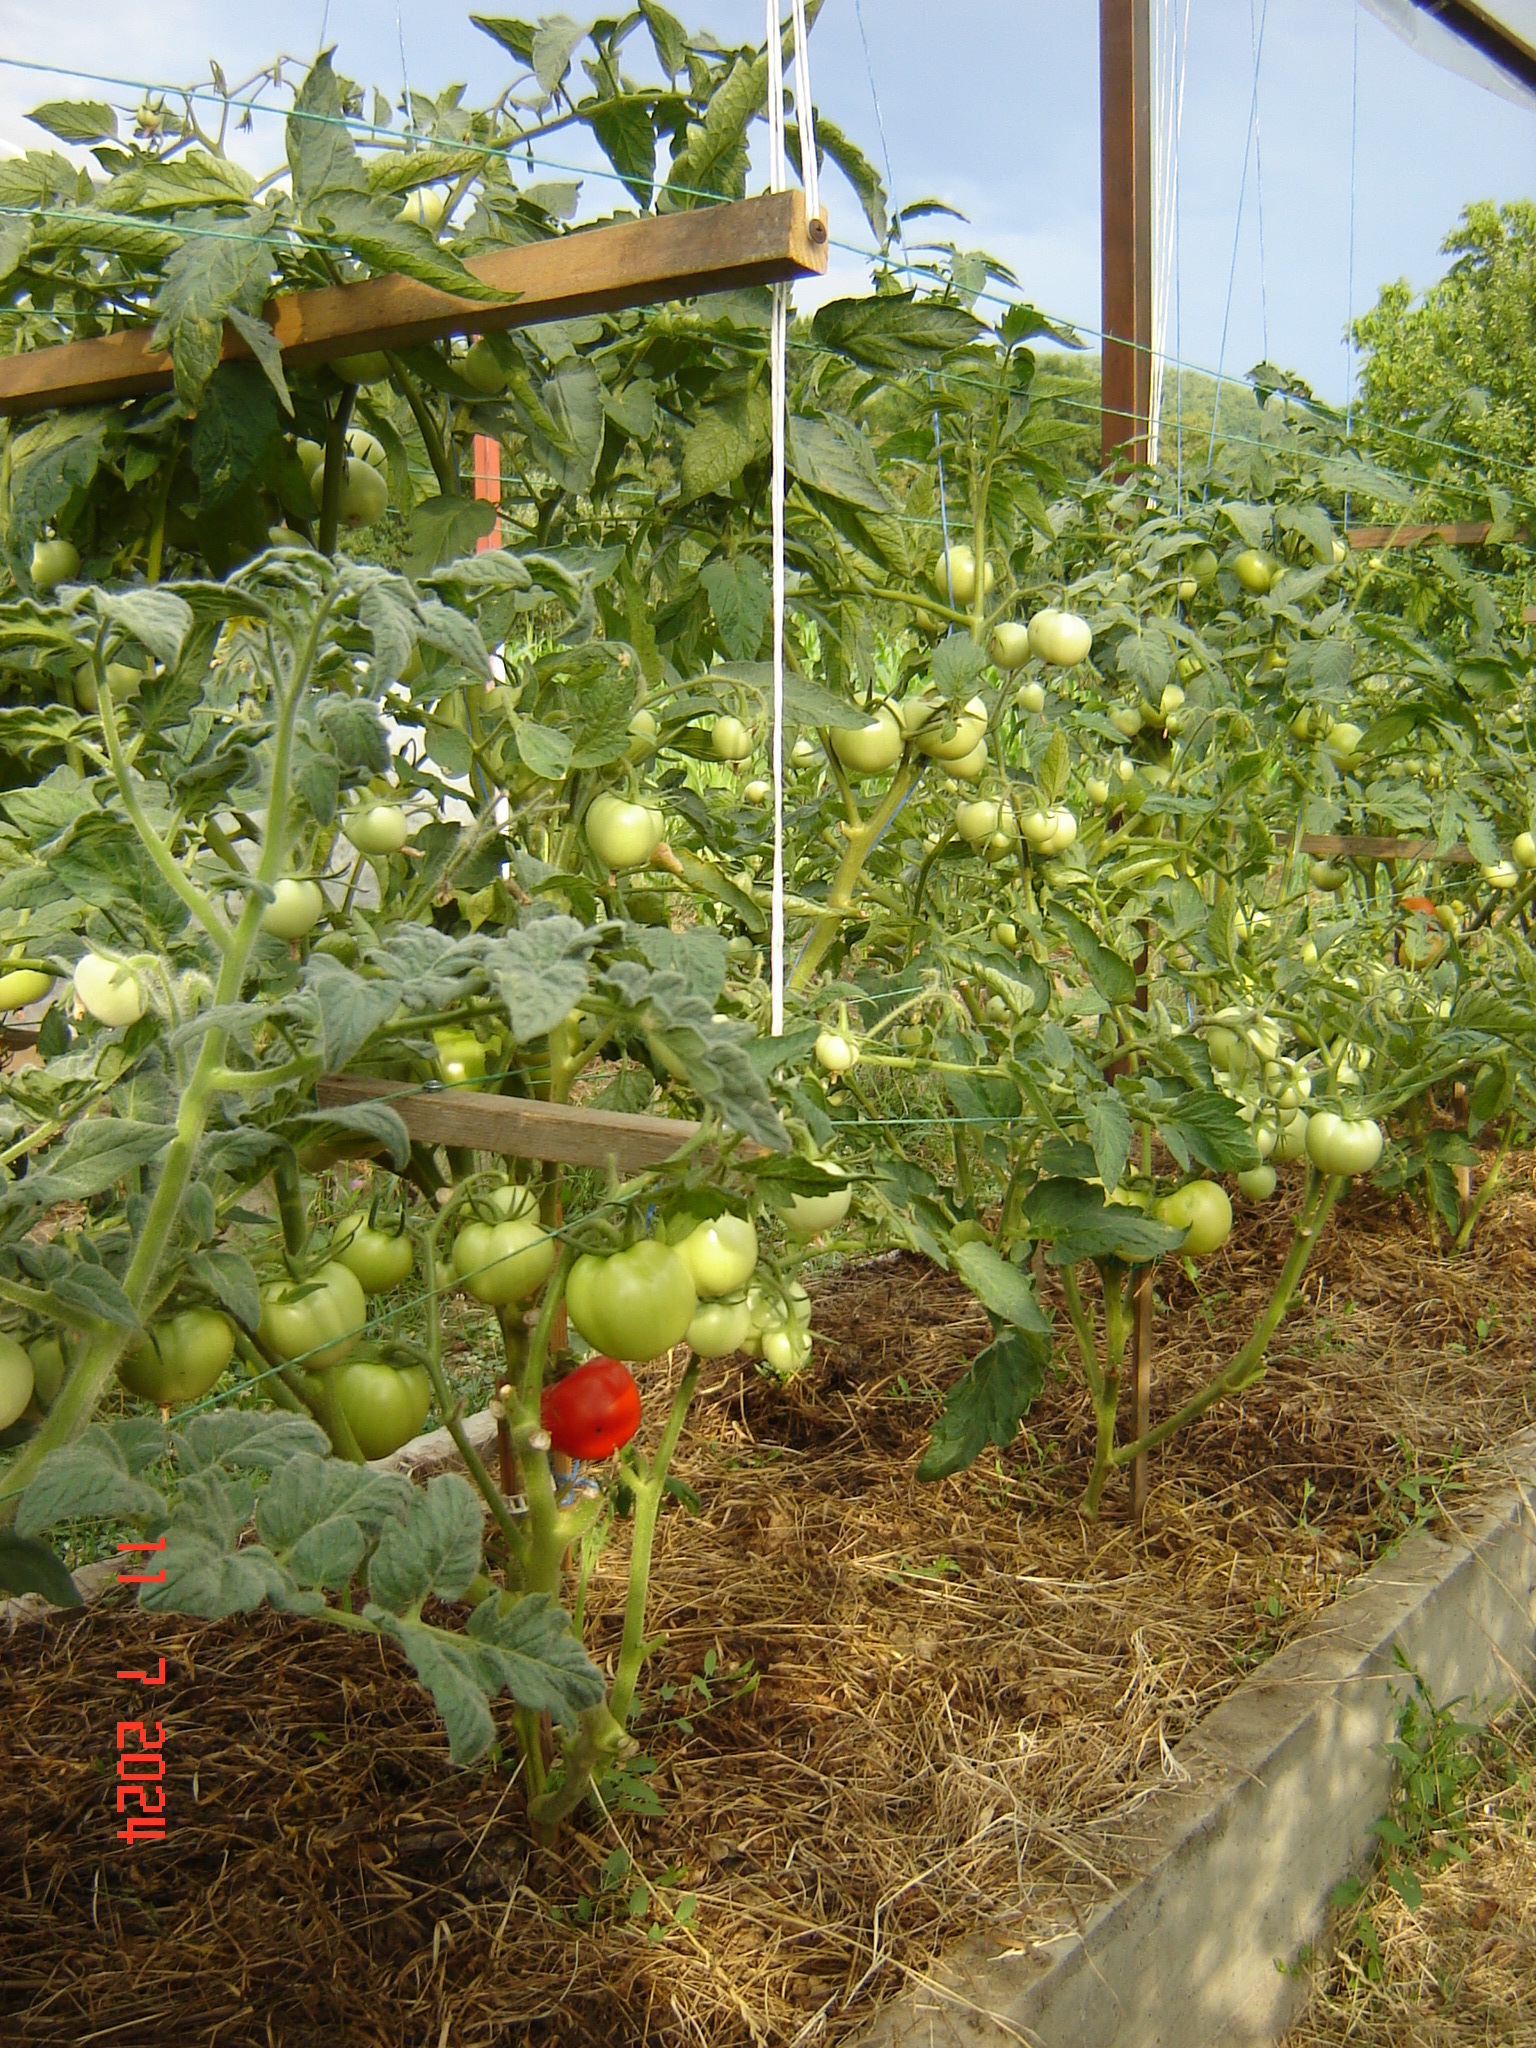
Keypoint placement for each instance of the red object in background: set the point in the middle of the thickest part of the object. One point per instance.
(593, 1411)
(488, 485)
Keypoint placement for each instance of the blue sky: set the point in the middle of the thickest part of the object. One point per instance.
(993, 106)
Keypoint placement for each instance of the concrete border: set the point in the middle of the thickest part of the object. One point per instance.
(1235, 1863)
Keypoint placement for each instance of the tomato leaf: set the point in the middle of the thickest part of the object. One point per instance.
(204, 1579)
(452, 1671)
(628, 140)
(892, 331)
(1203, 1124)
(541, 972)
(76, 120)
(372, 1120)
(86, 1291)
(1003, 1289)
(324, 1512)
(529, 1643)
(30, 1566)
(95, 1154)
(246, 1439)
(1114, 978)
(436, 1549)
(227, 1276)
(90, 1477)
(345, 1009)
(1077, 1223)
(1109, 1132)
(740, 599)
(987, 1405)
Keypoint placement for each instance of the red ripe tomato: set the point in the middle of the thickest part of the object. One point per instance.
(593, 1411)
(1420, 903)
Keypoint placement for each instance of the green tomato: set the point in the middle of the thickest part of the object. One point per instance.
(460, 1055)
(721, 1257)
(364, 494)
(53, 563)
(955, 571)
(730, 740)
(1126, 719)
(870, 749)
(1202, 1209)
(835, 1054)
(50, 1369)
(1255, 572)
(969, 733)
(976, 822)
(500, 1263)
(1524, 849)
(511, 1200)
(1187, 589)
(1010, 644)
(1343, 1146)
(1205, 567)
(317, 1321)
(803, 754)
(425, 208)
(482, 369)
(643, 733)
(1097, 790)
(385, 1405)
(295, 909)
(1500, 874)
(785, 1350)
(124, 682)
(109, 990)
(1061, 638)
(1291, 1144)
(23, 985)
(719, 1327)
(758, 792)
(1324, 875)
(809, 1215)
(634, 1305)
(969, 767)
(381, 1259)
(1258, 1183)
(370, 368)
(1343, 742)
(183, 1358)
(622, 835)
(15, 1381)
(1032, 697)
(377, 828)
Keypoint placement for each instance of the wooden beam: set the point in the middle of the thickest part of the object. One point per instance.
(1478, 25)
(517, 1127)
(1347, 846)
(767, 240)
(1456, 533)
(1125, 226)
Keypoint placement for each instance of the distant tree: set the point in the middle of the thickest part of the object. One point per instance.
(1467, 350)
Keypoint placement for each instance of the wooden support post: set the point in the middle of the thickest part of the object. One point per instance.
(767, 240)
(488, 486)
(1125, 226)
(1141, 1360)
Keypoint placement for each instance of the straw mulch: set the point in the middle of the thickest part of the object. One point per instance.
(962, 1693)
(1459, 1971)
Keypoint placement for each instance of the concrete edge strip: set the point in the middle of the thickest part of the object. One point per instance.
(1270, 1805)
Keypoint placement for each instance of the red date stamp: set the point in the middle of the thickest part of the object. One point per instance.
(140, 1760)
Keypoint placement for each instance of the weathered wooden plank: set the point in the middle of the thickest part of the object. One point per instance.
(1456, 533)
(1347, 846)
(1125, 226)
(767, 240)
(517, 1127)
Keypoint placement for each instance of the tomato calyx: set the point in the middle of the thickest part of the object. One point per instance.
(592, 1412)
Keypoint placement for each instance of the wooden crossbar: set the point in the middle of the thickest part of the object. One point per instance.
(1456, 533)
(1344, 846)
(767, 240)
(516, 1126)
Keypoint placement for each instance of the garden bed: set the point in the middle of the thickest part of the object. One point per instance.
(884, 1717)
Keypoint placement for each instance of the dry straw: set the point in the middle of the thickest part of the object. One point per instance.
(964, 1693)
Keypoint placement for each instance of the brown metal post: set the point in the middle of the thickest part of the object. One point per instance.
(1125, 215)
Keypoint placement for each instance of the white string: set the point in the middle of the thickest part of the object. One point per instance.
(809, 176)
(1170, 69)
(778, 354)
